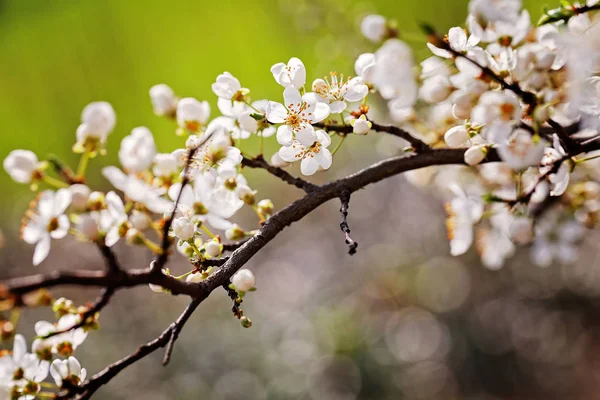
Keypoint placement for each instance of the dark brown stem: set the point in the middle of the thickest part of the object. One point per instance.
(352, 245)
(98, 305)
(259, 162)
(417, 144)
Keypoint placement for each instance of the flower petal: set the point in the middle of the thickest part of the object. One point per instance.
(309, 166)
(62, 199)
(276, 112)
(284, 135)
(292, 97)
(33, 232)
(42, 249)
(291, 153)
(324, 158)
(63, 228)
(306, 135)
(320, 112)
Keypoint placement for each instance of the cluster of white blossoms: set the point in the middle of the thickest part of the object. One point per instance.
(498, 89)
(26, 375)
(501, 84)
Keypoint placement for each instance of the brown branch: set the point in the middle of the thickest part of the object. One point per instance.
(259, 162)
(177, 327)
(417, 144)
(198, 292)
(122, 279)
(98, 305)
(166, 338)
(110, 259)
(234, 246)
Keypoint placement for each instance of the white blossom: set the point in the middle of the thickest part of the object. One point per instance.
(522, 150)
(475, 154)
(137, 150)
(296, 116)
(226, 86)
(137, 190)
(374, 27)
(68, 370)
(163, 99)
(183, 228)
(79, 196)
(335, 91)
(49, 222)
(457, 136)
(292, 74)
(192, 114)
(213, 248)
(311, 148)
(22, 166)
(360, 125)
(243, 280)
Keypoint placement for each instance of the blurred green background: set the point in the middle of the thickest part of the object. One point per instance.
(60, 55)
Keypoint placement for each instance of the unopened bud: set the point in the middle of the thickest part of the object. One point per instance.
(265, 207)
(246, 322)
(96, 201)
(213, 248)
(235, 233)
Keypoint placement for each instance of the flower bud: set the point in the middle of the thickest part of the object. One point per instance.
(374, 28)
(183, 228)
(213, 248)
(361, 126)
(99, 117)
(246, 322)
(475, 154)
(62, 307)
(163, 99)
(265, 207)
(195, 277)
(137, 150)
(192, 114)
(96, 201)
(22, 165)
(435, 89)
(140, 220)
(245, 193)
(185, 249)
(278, 162)
(87, 225)
(156, 288)
(243, 280)
(79, 196)
(456, 136)
(235, 233)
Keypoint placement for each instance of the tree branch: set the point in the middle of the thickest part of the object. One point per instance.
(120, 278)
(98, 305)
(259, 162)
(417, 144)
(166, 338)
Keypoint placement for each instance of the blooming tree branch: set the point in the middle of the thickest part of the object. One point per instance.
(510, 109)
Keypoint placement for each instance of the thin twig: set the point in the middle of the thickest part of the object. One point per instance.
(417, 144)
(90, 387)
(259, 162)
(177, 327)
(98, 305)
(352, 245)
